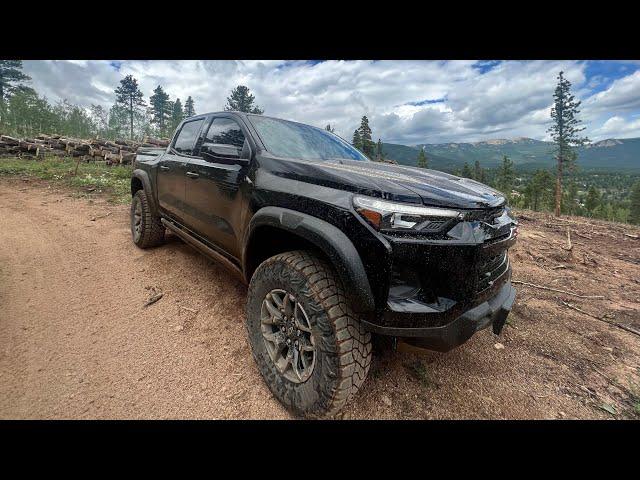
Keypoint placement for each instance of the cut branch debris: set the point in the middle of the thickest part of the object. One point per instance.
(615, 324)
(555, 290)
(154, 298)
(189, 309)
(582, 235)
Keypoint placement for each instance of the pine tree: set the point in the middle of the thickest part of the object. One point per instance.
(129, 96)
(11, 78)
(478, 172)
(189, 109)
(422, 159)
(368, 147)
(466, 171)
(634, 213)
(241, 100)
(539, 191)
(357, 140)
(11, 81)
(160, 109)
(506, 176)
(118, 121)
(379, 151)
(177, 114)
(564, 132)
(329, 129)
(593, 200)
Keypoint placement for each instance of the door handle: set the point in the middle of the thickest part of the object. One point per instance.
(192, 175)
(162, 167)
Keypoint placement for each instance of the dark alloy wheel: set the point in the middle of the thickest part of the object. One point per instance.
(136, 219)
(288, 336)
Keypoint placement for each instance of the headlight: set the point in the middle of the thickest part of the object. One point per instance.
(384, 215)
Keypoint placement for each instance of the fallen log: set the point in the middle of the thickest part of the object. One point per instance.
(127, 158)
(112, 158)
(9, 140)
(159, 142)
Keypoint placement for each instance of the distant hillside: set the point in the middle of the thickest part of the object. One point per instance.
(406, 155)
(621, 153)
(526, 153)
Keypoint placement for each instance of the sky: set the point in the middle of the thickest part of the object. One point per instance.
(407, 102)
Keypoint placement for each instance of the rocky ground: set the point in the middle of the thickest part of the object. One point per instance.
(76, 340)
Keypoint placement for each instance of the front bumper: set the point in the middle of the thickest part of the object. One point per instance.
(443, 338)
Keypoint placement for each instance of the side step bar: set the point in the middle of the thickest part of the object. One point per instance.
(205, 249)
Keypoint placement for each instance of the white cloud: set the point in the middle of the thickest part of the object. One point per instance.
(618, 126)
(406, 101)
(622, 95)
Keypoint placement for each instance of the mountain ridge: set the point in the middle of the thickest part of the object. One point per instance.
(526, 153)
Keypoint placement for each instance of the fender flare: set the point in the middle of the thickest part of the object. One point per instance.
(146, 184)
(329, 239)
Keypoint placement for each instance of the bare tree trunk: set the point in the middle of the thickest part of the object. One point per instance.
(559, 187)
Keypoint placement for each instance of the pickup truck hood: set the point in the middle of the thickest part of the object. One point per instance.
(395, 182)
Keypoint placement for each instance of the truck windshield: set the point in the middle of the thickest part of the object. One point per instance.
(296, 140)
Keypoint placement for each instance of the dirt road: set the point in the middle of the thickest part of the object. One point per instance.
(77, 342)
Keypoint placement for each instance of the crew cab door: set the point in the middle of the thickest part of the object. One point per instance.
(214, 203)
(172, 168)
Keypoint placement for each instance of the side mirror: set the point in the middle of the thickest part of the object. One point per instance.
(220, 151)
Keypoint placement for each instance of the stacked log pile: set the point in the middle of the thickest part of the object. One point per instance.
(109, 151)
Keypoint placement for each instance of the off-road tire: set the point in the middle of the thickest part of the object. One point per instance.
(343, 346)
(152, 230)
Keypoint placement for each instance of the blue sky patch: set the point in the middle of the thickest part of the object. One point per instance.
(426, 101)
(600, 74)
(483, 66)
(297, 63)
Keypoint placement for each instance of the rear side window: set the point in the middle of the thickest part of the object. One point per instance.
(225, 131)
(186, 139)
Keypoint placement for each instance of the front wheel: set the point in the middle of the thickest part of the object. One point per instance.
(311, 350)
(146, 228)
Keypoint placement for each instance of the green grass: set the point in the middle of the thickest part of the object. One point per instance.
(92, 178)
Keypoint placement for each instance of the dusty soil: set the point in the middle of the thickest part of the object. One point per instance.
(77, 342)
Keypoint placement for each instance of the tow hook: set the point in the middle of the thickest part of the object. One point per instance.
(500, 320)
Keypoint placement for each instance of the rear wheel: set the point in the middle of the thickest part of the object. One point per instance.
(146, 228)
(311, 350)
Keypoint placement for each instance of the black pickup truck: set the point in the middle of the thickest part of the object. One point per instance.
(333, 246)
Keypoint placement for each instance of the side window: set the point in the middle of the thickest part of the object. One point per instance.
(224, 131)
(186, 139)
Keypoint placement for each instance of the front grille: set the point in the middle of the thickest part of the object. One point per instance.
(486, 216)
(490, 269)
(433, 226)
